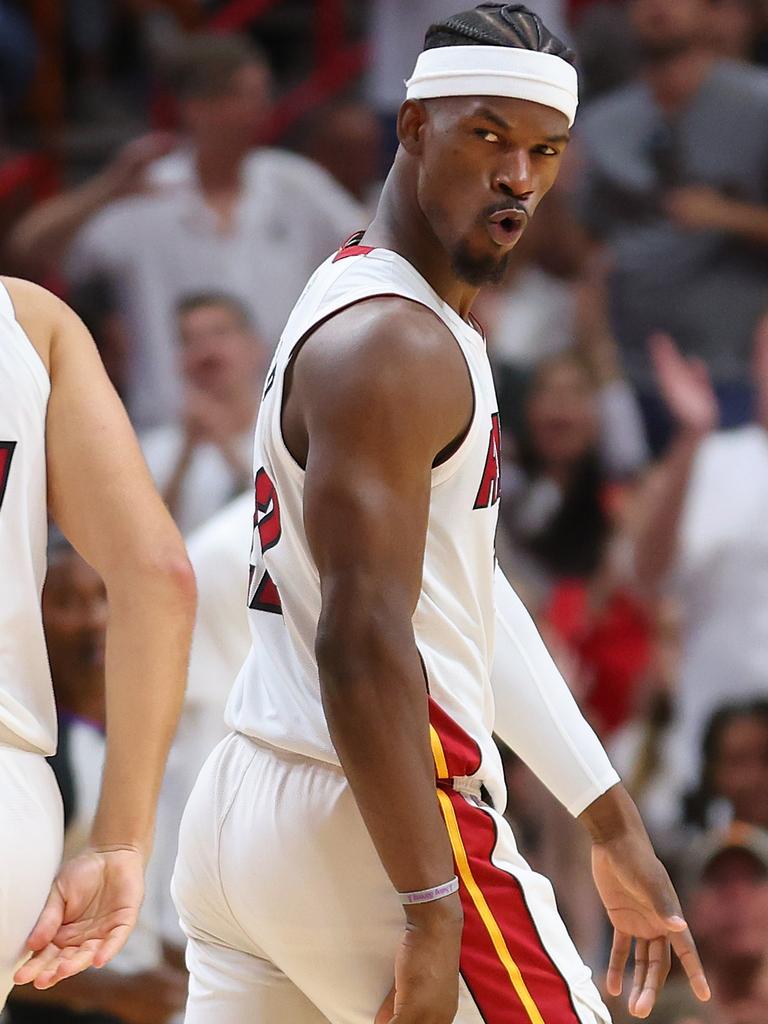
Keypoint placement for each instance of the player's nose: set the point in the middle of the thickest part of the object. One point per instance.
(515, 175)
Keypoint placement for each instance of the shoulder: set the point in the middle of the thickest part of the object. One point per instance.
(385, 353)
(39, 312)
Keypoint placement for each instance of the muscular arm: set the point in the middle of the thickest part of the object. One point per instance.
(378, 408)
(382, 389)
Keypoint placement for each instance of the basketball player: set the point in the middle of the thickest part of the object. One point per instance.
(66, 446)
(343, 857)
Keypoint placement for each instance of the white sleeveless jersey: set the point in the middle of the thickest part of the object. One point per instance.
(27, 713)
(276, 697)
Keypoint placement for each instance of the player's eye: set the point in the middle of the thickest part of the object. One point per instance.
(546, 151)
(487, 136)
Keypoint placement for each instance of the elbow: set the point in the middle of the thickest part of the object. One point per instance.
(354, 650)
(163, 569)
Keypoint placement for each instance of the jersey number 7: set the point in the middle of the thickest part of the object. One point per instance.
(7, 449)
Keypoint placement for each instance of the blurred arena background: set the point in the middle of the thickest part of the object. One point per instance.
(177, 168)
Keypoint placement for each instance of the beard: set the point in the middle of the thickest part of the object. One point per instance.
(478, 270)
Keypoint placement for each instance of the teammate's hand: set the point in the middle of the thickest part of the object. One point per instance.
(426, 989)
(642, 905)
(92, 908)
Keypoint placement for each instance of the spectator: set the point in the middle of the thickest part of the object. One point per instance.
(562, 510)
(204, 461)
(734, 776)
(137, 987)
(701, 533)
(726, 907)
(214, 214)
(676, 186)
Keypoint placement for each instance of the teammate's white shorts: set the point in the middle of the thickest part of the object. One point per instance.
(31, 837)
(291, 919)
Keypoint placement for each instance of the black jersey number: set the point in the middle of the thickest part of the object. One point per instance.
(7, 449)
(266, 521)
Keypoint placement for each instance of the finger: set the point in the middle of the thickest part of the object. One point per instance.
(687, 954)
(641, 970)
(659, 963)
(72, 961)
(387, 1008)
(111, 946)
(36, 964)
(49, 921)
(622, 944)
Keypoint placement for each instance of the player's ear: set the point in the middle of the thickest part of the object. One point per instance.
(410, 125)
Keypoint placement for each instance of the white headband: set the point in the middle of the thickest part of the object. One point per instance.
(496, 71)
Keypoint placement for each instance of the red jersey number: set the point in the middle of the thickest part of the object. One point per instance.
(7, 449)
(266, 521)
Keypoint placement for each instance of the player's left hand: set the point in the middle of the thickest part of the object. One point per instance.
(92, 907)
(643, 905)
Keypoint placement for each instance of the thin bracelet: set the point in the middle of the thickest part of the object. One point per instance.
(430, 895)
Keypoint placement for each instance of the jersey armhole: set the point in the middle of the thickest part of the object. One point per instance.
(440, 470)
(27, 350)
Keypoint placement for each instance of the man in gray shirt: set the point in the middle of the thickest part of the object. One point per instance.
(676, 186)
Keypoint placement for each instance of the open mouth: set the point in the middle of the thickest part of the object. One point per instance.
(506, 226)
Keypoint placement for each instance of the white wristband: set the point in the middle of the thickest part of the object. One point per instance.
(430, 895)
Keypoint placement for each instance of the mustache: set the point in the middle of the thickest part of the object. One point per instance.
(510, 204)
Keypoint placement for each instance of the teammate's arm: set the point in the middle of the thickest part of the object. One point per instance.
(538, 718)
(382, 390)
(102, 497)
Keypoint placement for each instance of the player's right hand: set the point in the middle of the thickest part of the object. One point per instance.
(91, 910)
(426, 988)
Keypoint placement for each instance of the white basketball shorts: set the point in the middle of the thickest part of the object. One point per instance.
(31, 836)
(291, 919)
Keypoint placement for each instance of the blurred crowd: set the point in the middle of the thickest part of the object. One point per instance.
(630, 346)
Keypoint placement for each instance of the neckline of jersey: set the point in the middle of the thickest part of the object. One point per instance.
(474, 325)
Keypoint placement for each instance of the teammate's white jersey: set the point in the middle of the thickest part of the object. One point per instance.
(27, 713)
(276, 697)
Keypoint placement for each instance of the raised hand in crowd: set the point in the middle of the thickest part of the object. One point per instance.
(40, 240)
(685, 387)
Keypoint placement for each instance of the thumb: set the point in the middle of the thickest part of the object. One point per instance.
(387, 1009)
(49, 922)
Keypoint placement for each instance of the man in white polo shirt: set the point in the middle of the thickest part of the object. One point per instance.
(213, 215)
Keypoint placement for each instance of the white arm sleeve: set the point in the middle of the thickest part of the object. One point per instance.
(536, 714)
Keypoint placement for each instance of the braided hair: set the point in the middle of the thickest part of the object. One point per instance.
(498, 24)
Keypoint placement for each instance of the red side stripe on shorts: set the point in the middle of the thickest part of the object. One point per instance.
(509, 973)
(456, 754)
